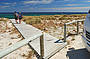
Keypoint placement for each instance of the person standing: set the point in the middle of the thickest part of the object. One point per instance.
(16, 16)
(20, 17)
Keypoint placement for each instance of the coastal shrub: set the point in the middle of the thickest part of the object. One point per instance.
(63, 18)
(48, 17)
(27, 21)
(38, 19)
(69, 18)
(33, 21)
(73, 39)
(4, 19)
(65, 15)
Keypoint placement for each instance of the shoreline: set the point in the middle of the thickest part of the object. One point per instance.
(11, 16)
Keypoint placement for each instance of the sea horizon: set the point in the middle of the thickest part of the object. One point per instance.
(10, 14)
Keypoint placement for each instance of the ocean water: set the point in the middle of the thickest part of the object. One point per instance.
(10, 15)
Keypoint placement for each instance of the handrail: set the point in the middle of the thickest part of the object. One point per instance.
(65, 27)
(74, 21)
(17, 45)
(26, 41)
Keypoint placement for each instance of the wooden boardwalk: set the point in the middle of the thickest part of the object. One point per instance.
(51, 46)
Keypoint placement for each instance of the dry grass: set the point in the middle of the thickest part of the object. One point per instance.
(38, 19)
(3, 25)
(32, 20)
(47, 22)
(14, 30)
(29, 55)
(44, 22)
(4, 19)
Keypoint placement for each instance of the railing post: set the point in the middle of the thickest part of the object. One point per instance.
(64, 32)
(42, 46)
(77, 27)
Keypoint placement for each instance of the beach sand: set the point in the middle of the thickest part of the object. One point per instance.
(10, 36)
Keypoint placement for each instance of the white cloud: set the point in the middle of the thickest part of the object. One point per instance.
(14, 3)
(66, 0)
(87, 1)
(68, 8)
(4, 6)
(37, 1)
(73, 4)
(6, 3)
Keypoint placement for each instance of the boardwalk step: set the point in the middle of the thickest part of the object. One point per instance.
(51, 46)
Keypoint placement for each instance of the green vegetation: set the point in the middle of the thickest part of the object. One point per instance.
(32, 20)
(38, 19)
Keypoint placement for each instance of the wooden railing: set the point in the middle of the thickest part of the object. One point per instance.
(17, 45)
(65, 27)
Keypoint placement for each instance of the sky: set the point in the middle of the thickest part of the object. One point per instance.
(44, 5)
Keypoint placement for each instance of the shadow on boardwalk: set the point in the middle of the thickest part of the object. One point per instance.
(78, 54)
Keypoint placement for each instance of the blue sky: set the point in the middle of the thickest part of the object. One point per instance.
(44, 5)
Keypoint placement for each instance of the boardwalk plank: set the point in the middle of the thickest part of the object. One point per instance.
(49, 41)
(49, 45)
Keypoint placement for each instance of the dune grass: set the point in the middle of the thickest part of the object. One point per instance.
(38, 19)
(31, 20)
(4, 19)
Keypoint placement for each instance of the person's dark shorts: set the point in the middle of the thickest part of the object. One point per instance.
(20, 18)
(16, 18)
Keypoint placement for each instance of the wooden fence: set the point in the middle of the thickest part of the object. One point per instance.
(22, 43)
(26, 41)
(65, 27)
